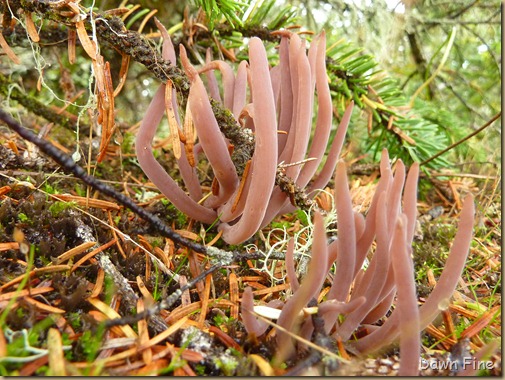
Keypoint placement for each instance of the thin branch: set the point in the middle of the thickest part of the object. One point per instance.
(493, 119)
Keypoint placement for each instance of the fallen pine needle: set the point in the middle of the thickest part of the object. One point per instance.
(74, 251)
(25, 292)
(97, 289)
(480, 323)
(88, 202)
(225, 338)
(49, 269)
(112, 314)
(165, 334)
(272, 289)
(43, 306)
(143, 289)
(205, 302)
(181, 311)
(147, 354)
(92, 253)
(8, 246)
(234, 295)
(8, 51)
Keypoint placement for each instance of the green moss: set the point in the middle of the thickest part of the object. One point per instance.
(42, 370)
(180, 219)
(303, 217)
(128, 143)
(80, 190)
(49, 189)
(90, 343)
(58, 207)
(22, 217)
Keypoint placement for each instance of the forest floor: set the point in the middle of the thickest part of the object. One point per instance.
(55, 234)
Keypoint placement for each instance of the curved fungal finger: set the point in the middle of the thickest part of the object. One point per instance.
(211, 79)
(296, 49)
(365, 241)
(446, 284)
(167, 49)
(333, 156)
(290, 266)
(406, 304)
(210, 137)
(309, 288)
(454, 265)
(410, 200)
(324, 116)
(188, 172)
(228, 79)
(264, 164)
(240, 90)
(251, 323)
(155, 171)
(286, 94)
(303, 117)
(346, 244)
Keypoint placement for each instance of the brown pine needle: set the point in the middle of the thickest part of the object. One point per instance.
(97, 289)
(87, 202)
(3, 345)
(241, 185)
(225, 338)
(234, 295)
(92, 254)
(272, 289)
(165, 334)
(115, 235)
(123, 73)
(146, 19)
(31, 28)
(446, 341)
(189, 133)
(148, 297)
(72, 37)
(263, 365)
(215, 239)
(8, 246)
(147, 354)
(449, 324)
(88, 45)
(34, 272)
(25, 292)
(8, 51)
(205, 302)
(110, 313)
(480, 323)
(172, 122)
(181, 311)
(43, 306)
(74, 252)
(342, 350)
